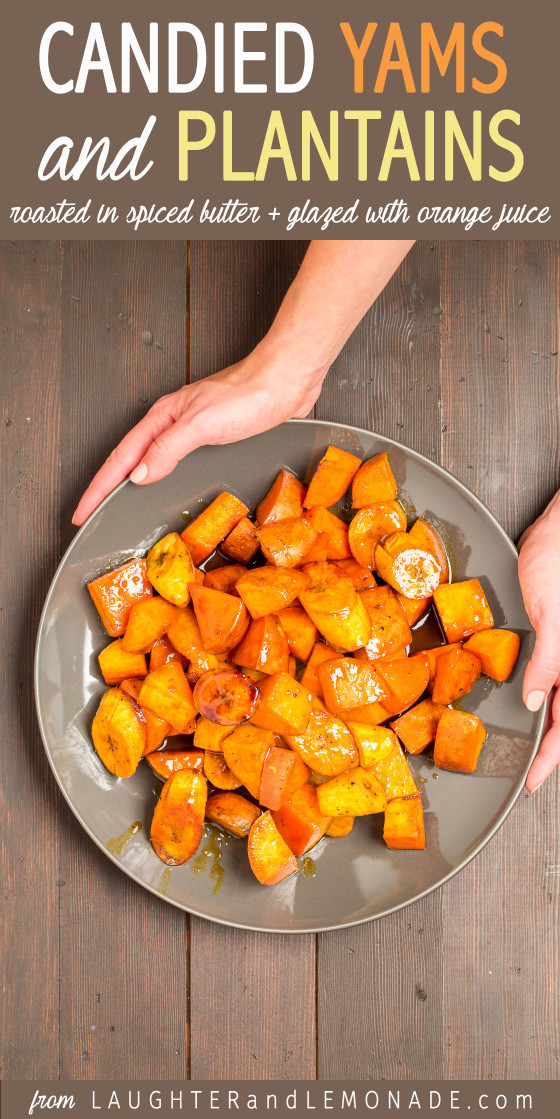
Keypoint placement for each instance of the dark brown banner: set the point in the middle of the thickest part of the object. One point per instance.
(313, 118)
(352, 1099)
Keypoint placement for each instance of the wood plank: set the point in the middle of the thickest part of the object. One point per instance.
(500, 390)
(123, 958)
(243, 1024)
(376, 1017)
(30, 804)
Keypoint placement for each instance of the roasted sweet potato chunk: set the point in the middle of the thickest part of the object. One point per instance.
(362, 577)
(456, 673)
(332, 602)
(242, 542)
(432, 656)
(203, 535)
(462, 609)
(285, 543)
(162, 651)
(157, 730)
(119, 733)
(285, 705)
(300, 820)
(497, 651)
(417, 727)
(340, 826)
(218, 773)
(393, 774)
(222, 618)
(264, 647)
(410, 570)
(374, 482)
(209, 735)
(357, 793)
(459, 740)
(373, 743)
(348, 683)
(147, 622)
(269, 856)
(166, 762)
(326, 746)
(415, 608)
(245, 751)
(171, 569)
(185, 636)
(114, 594)
(310, 676)
(403, 828)
(370, 526)
(224, 578)
(283, 501)
(178, 817)
(167, 693)
(332, 477)
(117, 665)
(300, 631)
(283, 773)
(266, 590)
(390, 631)
(226, 697)
(331, 536)
(232, 812)
(405, 680)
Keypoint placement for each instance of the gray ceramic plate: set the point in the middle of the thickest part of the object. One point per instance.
(356, 878)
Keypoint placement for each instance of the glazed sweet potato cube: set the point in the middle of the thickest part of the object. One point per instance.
(171, 569)
(147, 622)
(269, 856)
(283, 772)
(285, 705)
(232, 812)
(393, 774)
(497, 651)
(218, 773)
(167, 693)
(162, 651)
(300, 631)
(340, 826)
(373, 743)
(414, 608)
(417, 727)
(348, 683)
(432, 656)
(332, 477)
(222, 618)
(456, 673)
(224, 578)
(403, 829)
(245, 751)
(212, 526)
(186, 638)
(210, 736)
(178, 817)
(370, 526)
(462, 609)
(390, 630)
(374, 482)
(242, 542)
(362, 577)
(266, 590)
(410, 570)
(226, 696)
(157, 730)
(331, 536)
(310, 676)
(286, 543)
(264, 647)
(428, 538)
(357, 793)
(326, 746)
(283, 501)
(459, 740)
(300, 820)
(166, 762)
(119, 733)
(332, 602)
(117, 665)
(114, 594)
(405, 680)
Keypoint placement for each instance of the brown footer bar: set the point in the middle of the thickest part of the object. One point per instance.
(315, 1099)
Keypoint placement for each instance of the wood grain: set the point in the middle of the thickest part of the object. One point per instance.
(235, 289)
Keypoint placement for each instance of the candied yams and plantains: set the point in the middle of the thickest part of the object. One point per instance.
(287, 671)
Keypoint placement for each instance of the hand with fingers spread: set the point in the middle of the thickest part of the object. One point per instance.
(280, 380)
(539, 575)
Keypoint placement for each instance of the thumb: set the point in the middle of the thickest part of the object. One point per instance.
(543, 670)
(165, 452)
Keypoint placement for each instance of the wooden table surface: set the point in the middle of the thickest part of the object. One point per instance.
(458, 359)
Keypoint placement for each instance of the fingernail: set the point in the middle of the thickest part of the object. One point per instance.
(74, 518)
(534, 700)
(538, 786)
(139, 473)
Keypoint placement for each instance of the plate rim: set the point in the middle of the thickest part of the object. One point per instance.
(308, 930)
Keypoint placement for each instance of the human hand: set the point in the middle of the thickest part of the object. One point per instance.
(242, 400)
(539, 575)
